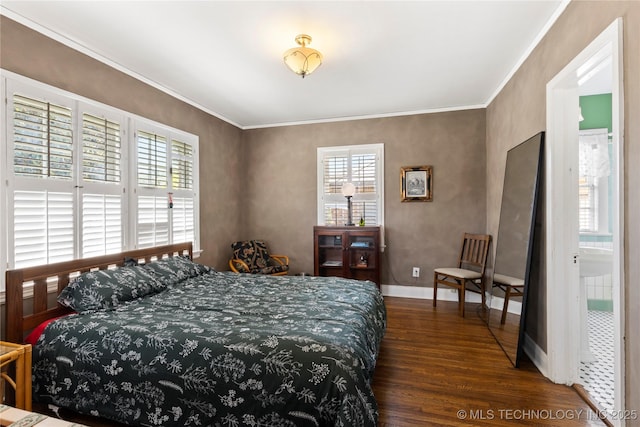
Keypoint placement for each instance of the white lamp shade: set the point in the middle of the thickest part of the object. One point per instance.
(348, 189)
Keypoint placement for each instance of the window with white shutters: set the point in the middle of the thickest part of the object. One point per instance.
(102, 195)
(166, 197)
(361, 165)
(41, 200)
(85, 179)
(183, 208)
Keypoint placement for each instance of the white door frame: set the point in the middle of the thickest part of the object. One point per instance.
(561, 236)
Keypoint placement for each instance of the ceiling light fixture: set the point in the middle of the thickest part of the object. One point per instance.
(302, 60)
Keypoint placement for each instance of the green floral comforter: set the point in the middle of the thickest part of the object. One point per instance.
(221, 349)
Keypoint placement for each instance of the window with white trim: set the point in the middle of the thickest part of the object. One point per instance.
(72, 170)
(361, 165)
(593, 180)
(165, 195)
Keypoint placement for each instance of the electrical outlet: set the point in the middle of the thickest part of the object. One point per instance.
(416, 272)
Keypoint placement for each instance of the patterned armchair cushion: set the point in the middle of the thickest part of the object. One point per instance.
(272, 269)
(254, 253)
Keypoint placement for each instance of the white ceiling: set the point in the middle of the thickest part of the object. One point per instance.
(381, 58)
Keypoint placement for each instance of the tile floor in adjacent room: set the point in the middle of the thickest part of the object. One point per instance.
(598, 377)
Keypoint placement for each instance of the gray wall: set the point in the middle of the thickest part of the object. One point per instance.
(519, 111)
(33, 55)
(280, 202)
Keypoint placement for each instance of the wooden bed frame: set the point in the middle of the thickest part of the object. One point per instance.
(18, 324)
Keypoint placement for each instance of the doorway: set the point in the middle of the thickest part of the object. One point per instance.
(567, 193)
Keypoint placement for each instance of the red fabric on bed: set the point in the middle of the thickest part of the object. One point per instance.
(32, 338)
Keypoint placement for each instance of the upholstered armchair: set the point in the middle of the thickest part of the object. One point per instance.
(252, 256)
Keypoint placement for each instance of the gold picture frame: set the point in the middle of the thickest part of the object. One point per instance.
(416, 183)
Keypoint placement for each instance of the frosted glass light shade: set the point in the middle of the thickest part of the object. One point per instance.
(302, 60)
(348, 189)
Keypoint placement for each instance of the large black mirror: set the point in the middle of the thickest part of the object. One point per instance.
(514, 244)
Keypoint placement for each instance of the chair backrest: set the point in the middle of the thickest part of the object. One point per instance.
(475, 250)
(253, 252)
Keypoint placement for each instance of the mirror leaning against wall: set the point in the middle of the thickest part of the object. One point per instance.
(514, 246)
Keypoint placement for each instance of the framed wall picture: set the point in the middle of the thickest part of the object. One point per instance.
(416, 183)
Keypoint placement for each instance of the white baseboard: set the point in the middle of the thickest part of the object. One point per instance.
(537, 355)
(444, 294)
(423, 292)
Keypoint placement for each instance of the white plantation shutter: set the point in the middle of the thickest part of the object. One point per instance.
(152, 160)
(42, 227)
(83, 179)
(101, 224)
(181, 165)
(101, 149)
(153, 221)
(182, 183)
(41, 201)
(153, 205)
(336, 172)
(166, 196)
(183, 220)
(102, 197)
(42, 138)
(364, 175)
(361, 165)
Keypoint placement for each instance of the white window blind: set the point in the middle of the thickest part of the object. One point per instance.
(42, 227)
(101, 224)
(361, 165)
(81, 182)
(102, 198)
(101, 149)
(41, 199)
(152, 160)
(183, 208)
(153, 221)
(182, 165)
(183, 219)
(167, 208)
(43, 139)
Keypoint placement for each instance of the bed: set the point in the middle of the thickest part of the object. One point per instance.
(173, 342)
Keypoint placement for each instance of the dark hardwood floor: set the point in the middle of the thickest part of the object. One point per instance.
(438, 369)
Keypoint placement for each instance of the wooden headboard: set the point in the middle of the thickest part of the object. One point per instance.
(38, 278)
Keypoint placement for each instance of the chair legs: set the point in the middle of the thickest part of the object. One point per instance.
(435, 288)
(460, 285)
(461, 297)
(505, 307)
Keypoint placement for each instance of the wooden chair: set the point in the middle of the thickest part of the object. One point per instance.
(470, 269)
(252, 256)
(511, 286)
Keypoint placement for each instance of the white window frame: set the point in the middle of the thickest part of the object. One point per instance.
(11, 83)
(598, 195)
(170, 134)
(349, 150)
